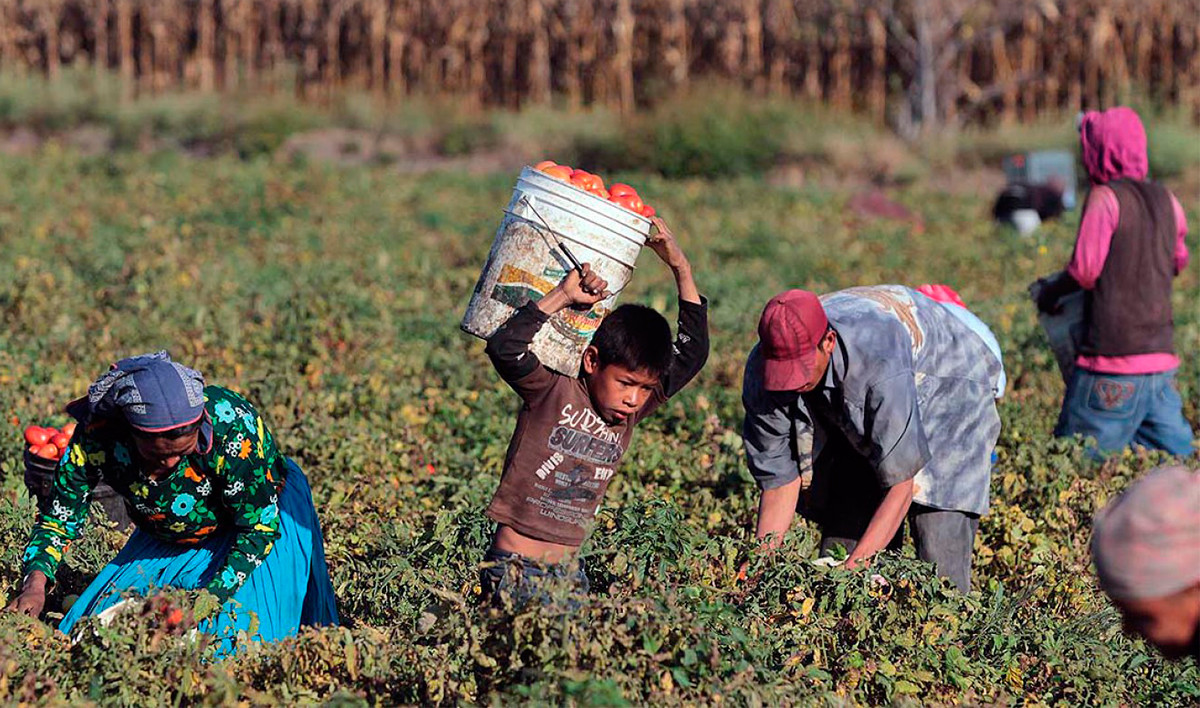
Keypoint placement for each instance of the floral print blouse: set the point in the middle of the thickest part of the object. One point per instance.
(233, 487)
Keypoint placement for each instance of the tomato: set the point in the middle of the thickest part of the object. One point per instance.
(601, 192)
(33, 449)
(559, 172)
(648, 211)
(586, 180)
(545, 165)
(632, 202)
(621, 188)
(68, 429)
(48, 451)
(37, 435)
(61, 441)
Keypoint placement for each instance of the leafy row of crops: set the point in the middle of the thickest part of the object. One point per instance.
(331, 297)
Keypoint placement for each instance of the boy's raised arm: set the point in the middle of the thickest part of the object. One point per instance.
(508, 348)
(691, 340)
(664, 245)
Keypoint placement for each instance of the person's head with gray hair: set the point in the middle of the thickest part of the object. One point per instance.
(1146, 546)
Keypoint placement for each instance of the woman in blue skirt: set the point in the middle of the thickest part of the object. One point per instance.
(216, 506)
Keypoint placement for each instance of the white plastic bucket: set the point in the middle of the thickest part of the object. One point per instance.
(525, 263)
(1064, 330)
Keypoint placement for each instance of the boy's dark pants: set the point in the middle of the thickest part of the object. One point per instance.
(522, 579)
(845, 495)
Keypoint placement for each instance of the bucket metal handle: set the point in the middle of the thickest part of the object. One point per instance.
(558, 252)
(558, 239)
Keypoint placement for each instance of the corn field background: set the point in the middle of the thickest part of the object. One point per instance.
(916, 64)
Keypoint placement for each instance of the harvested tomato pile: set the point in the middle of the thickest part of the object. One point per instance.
(619, 194)
(49, 442)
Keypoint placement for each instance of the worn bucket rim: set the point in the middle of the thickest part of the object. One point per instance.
(587, 200)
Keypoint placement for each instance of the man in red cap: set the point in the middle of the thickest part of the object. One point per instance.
(885, 399)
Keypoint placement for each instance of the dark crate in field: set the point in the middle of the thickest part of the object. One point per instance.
(1041, 166)
(39, 480)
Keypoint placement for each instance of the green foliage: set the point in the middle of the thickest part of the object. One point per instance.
(331, 299)
(712, 132)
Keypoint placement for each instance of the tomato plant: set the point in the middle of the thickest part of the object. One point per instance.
(331, 299)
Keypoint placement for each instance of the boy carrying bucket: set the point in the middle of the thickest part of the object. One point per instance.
(571, 432)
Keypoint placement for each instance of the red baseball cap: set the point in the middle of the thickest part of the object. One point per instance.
(789, 331)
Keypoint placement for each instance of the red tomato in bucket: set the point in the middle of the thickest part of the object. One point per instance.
(648, 211)
(61, 441)
(559, 172)
(48, 451)
(632, 202)
(68, 429)
(545, 165)
(37, 435)
(621, 188)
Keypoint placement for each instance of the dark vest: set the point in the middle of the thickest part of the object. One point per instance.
(1129, 310)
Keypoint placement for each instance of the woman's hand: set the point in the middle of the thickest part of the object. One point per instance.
(32, 599)
(576, 290)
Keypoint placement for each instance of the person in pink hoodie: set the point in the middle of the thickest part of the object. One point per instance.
(1129, 249)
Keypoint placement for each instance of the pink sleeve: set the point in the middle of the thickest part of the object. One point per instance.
(1101, 214)
(1181, 229)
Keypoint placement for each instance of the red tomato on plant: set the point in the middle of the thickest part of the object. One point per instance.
(37, 435)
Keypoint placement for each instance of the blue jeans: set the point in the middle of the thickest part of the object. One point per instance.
(1122, 410)
(521, 579)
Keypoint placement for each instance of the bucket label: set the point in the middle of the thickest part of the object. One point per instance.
(515, 287)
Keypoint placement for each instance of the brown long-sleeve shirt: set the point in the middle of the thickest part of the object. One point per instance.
(562, 454)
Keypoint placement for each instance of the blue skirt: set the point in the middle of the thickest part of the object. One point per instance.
(290, 589)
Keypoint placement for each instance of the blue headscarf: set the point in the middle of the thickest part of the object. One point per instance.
(149, 392)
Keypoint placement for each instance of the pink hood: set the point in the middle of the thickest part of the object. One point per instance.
(1114, 145)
